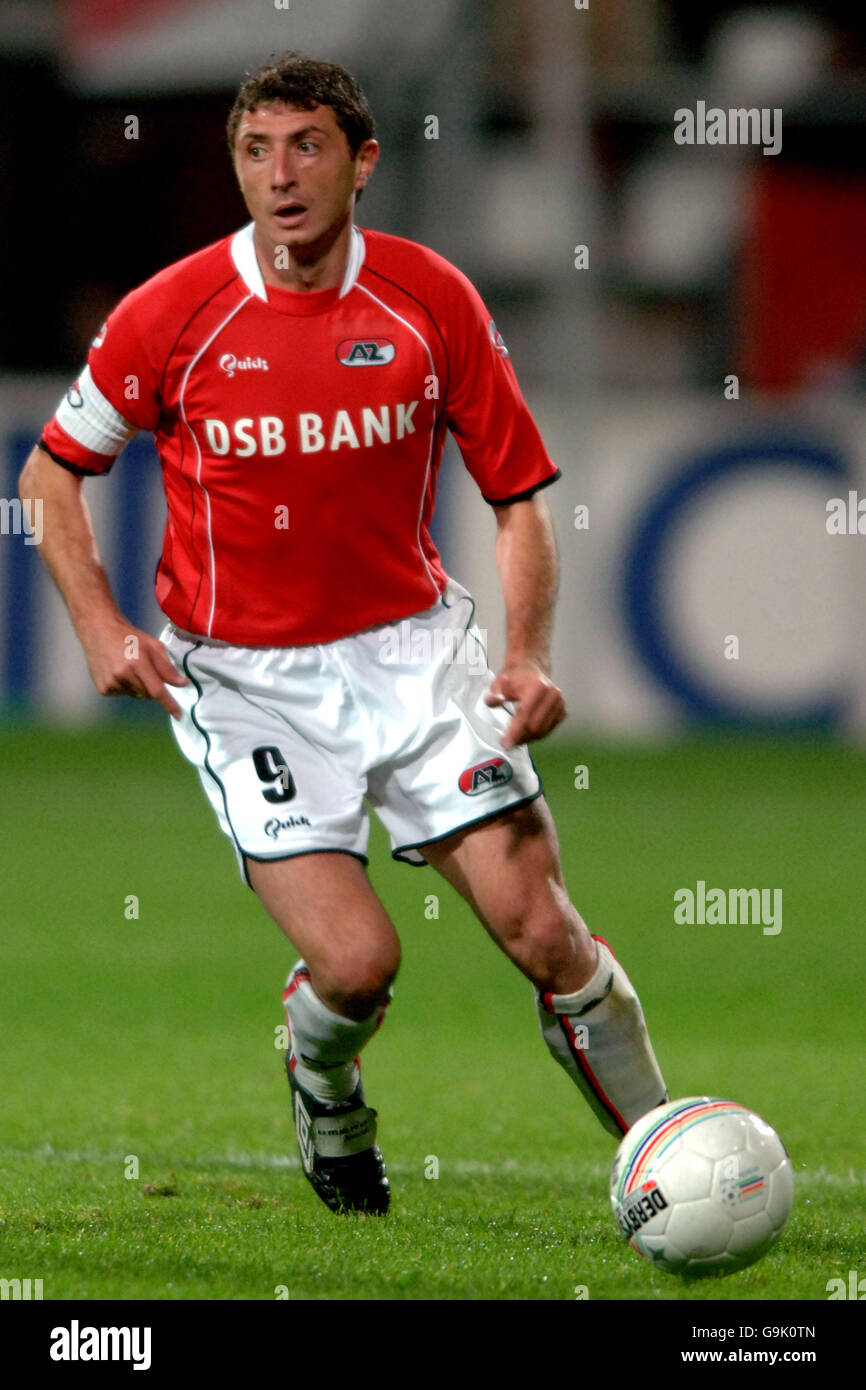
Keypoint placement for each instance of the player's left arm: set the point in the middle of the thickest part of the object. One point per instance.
(528, 572)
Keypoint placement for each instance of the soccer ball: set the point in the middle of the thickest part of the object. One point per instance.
(701, 1186)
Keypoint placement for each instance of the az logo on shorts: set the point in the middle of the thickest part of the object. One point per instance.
(483, 777)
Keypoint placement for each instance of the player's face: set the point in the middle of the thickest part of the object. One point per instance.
(296, 173)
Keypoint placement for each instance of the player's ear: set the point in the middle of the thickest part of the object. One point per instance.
(365, 160)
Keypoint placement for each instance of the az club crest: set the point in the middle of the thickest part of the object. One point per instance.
(365, 352)
(483, 777)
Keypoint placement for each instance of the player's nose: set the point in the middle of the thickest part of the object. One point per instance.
(282, 169)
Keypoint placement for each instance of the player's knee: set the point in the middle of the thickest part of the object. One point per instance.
(542, 938)
(356, 985)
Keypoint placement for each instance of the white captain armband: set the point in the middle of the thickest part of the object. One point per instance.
(91, 420)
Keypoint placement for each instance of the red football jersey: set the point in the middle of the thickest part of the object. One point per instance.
(300, 433)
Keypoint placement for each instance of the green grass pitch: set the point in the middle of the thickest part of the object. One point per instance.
(153, 1039)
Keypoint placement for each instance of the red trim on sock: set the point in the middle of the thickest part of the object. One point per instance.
(580, 1058)
(297, 977)
(605, 943)
(547, 1001)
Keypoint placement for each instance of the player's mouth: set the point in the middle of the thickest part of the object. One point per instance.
(289, 213)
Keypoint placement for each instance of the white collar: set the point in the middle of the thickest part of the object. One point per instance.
(244, 257)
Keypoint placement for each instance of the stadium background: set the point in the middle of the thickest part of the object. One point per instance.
(706, 515)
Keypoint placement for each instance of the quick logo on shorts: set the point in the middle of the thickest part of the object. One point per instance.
(273, 827)
(483, 777)
(365, 352)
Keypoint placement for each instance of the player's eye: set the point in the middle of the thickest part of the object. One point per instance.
(254, 150)
(309, 144)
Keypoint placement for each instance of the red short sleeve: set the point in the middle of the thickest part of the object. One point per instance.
(485, 409)
(115, 395)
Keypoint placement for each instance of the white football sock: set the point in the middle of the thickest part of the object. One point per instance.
(599, 1036)
(324, 1044)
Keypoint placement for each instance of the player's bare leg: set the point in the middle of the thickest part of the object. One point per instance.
(326, 906)
(508, 870)
(335, 999)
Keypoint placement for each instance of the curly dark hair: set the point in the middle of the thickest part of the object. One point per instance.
(306, 82)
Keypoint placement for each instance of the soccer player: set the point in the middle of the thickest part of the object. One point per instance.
(299, 377)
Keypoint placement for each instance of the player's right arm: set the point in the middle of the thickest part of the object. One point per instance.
(118, 665)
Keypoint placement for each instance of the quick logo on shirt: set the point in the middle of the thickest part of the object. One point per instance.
(231, 364)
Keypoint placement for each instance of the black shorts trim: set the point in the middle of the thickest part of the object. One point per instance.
(296, 854)
(526, 494)
(471, 617)
(469, 621)
(400, 852)
(73, 467)
(204, 733)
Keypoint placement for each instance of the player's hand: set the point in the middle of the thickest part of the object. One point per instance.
(540, 703)
(123, 660)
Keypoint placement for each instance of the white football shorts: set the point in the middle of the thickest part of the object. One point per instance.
(290, 741)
